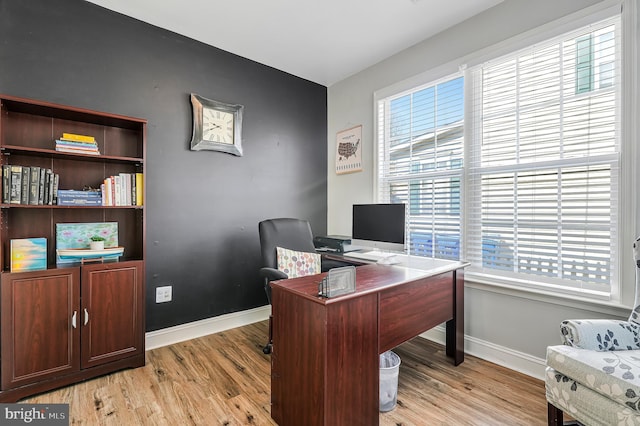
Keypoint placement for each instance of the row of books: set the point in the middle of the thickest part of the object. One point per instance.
(74, 197)
(32, 185)
(77, 144)
(124, 189)
(29, 185)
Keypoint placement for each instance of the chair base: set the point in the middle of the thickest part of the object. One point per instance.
(267, 348)
(555, 415)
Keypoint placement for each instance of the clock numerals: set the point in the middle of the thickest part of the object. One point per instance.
(217, 126)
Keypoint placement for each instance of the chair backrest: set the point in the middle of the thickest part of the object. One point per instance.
(293, 234)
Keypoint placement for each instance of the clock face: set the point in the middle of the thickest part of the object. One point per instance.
(217, 126)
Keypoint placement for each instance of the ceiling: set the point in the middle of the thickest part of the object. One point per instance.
(323, 41)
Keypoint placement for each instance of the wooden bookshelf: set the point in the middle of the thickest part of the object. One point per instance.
(89, 301)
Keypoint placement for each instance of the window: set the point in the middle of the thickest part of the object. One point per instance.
(539, 188)
(421, 152)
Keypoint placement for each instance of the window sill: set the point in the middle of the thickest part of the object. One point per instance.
(568, 300)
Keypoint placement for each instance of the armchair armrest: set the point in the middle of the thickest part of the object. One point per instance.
(272, 274)
(600, 334)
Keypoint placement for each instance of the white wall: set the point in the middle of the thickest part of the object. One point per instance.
(501, 325)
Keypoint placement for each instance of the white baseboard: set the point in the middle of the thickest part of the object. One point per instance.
(501, 355)
(506, 357)
(193, 330)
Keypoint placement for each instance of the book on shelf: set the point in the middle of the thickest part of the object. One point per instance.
(107, 192)
(34, 185)
(6, 183)
(76, 145)
(26, 185)
(79, 201)
(77, 138)
(43, 173)
(73, 197)
(133, 189)
(72, 144)
(47, 180)
(56, 183)
(77, 151)
(16, 184)
(139, 188)
(117, 193)
(76, 193)
(49, 192)
(125, 193)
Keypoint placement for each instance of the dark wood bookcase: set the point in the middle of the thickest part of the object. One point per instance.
(67, 324)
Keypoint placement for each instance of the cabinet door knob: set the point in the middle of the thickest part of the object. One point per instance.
(73, 319)
(86, 316)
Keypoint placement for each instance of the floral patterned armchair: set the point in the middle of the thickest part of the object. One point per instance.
(595, 375)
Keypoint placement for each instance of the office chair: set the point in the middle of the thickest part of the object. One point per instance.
(292, 234)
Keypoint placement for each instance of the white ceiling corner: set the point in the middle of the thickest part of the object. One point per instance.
(321, 41)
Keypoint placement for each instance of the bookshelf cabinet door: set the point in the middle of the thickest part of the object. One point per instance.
(112, 312)
(39, 340)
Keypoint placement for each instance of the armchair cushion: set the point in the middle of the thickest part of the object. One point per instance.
(615, 375)
(600, 335)
(297, 263)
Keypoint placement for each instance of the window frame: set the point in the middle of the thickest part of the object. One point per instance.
(622, 293)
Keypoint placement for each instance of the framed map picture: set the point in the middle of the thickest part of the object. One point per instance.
(349, 150)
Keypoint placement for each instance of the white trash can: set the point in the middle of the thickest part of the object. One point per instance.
(389, 369)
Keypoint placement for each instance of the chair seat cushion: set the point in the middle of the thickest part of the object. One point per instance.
(297, 263)
(613, 374)
(584, 404)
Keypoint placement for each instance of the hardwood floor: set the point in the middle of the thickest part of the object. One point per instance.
(224, 379)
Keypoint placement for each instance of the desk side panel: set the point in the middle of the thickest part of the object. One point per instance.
(415, 307)
(297, 359)
(352, 372)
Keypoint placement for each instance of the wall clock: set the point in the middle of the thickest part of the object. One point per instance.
(217, 126)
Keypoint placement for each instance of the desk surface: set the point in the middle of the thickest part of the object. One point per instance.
(373, 277)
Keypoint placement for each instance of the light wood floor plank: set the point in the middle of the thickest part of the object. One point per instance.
(224, 379)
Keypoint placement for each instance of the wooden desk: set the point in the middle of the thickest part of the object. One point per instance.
(325, 364)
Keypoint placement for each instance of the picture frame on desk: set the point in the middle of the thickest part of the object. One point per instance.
(338, 282)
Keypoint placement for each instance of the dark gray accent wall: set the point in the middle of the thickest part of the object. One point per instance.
(203, 208)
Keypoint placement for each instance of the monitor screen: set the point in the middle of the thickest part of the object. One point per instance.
(379, 226)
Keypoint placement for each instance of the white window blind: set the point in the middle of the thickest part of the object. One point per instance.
(544, 163)
(528, 181)
(420, 163)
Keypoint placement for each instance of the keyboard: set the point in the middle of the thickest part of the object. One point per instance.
(372, 256)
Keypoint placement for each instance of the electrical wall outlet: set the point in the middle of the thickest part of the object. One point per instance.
(163, 294)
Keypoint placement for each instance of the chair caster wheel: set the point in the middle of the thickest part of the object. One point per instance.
(266, 350)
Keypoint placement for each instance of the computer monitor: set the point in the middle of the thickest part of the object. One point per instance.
(378, 226)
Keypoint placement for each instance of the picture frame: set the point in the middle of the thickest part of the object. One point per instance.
(77, 236)
(349, 150)
(28, 254)
(338, 282)
(217, 126)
